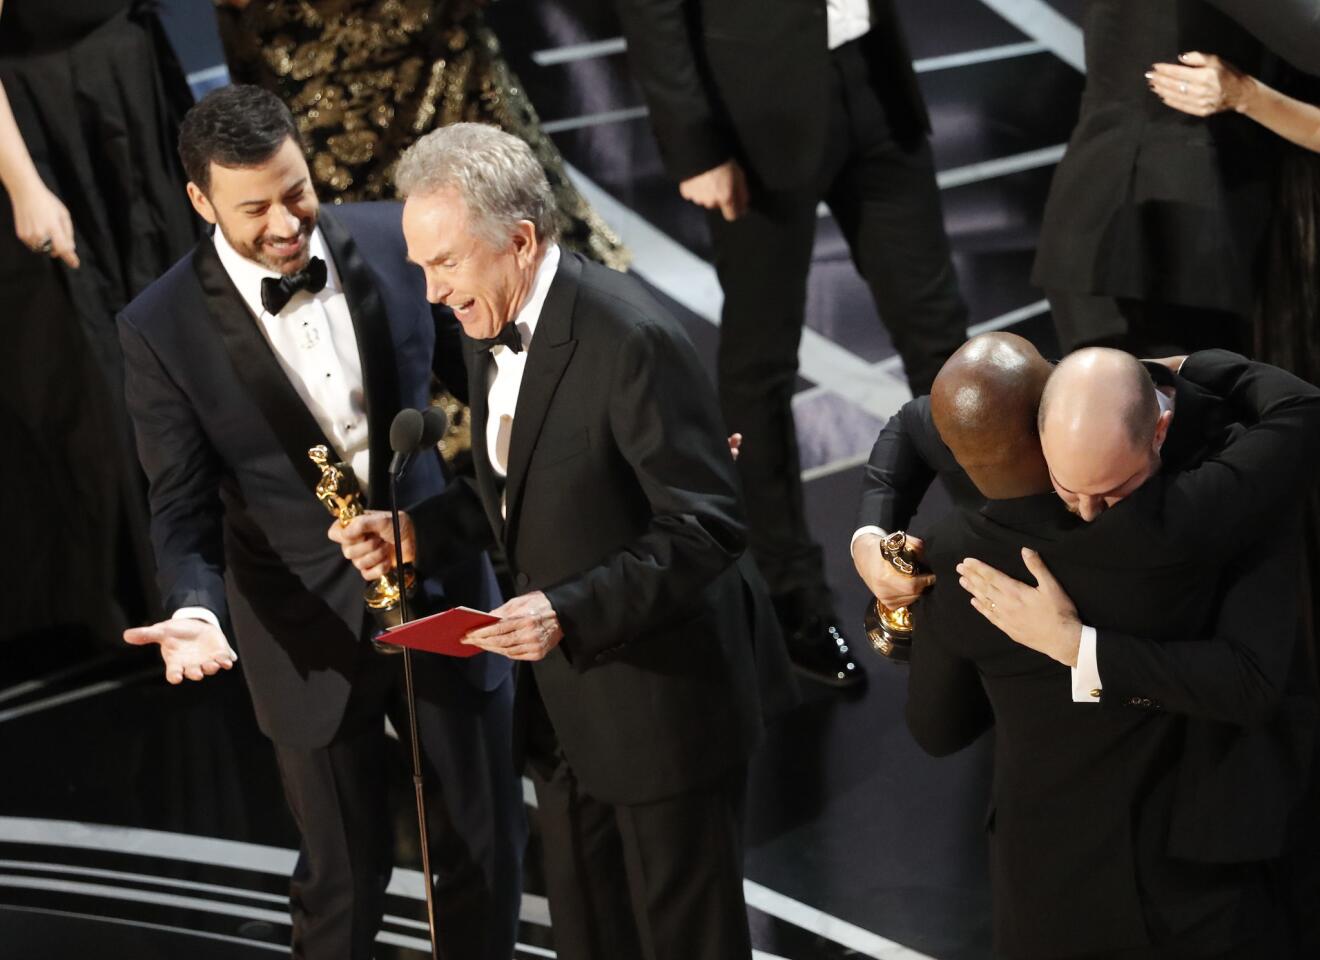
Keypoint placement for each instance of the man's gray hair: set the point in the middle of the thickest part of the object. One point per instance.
(497, 175)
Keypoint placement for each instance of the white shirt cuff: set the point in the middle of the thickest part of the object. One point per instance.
(863, 531)
(1086, 686)
(197, 613)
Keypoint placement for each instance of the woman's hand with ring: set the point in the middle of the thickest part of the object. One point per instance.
(1201, 85)
(42, 222)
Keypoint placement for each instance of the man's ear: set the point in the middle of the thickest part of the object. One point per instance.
(526, 244)
(1162, 429)
(201, 203)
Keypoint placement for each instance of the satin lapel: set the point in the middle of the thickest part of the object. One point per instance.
(479, 363)
(256, 366)
(548, 355)
(380, 373)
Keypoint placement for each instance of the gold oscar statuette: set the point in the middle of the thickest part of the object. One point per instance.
(338, 489)
(890, 630)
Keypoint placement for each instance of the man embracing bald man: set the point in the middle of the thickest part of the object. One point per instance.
(1137, 811)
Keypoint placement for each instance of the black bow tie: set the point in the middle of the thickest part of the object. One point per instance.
(276, 292)
(508, 337)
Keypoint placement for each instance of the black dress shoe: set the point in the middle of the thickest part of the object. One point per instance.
(819, 651)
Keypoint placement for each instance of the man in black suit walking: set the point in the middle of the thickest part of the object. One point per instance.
(603, 472)
(763, 109)
(288, 328)
(1140, 821)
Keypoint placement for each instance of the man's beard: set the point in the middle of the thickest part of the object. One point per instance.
(277, 263)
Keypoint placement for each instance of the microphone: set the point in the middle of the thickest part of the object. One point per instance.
(405, 437)
(411, 431)
(434, 425)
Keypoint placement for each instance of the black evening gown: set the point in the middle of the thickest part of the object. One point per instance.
(1149, 204)
(96, 94)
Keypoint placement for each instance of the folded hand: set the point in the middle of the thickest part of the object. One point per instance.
(368, 542)
(890, 587)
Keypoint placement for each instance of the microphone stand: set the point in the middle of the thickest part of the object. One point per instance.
(412, 717)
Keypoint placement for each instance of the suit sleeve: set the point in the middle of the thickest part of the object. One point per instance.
(898, 473)
(947, 707)
(184, 474)
(1224, 501)
(1236, 675)
(692, 133)
(666, 425)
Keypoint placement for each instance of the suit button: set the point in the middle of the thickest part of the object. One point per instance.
(522, 580)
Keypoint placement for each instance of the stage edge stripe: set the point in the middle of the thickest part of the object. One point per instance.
(832, 928)
(276, 860)
(142, 924)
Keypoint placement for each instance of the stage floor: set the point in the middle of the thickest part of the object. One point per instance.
(143, 821)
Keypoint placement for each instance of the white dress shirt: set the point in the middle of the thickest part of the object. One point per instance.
(507, 371)
(314, 341)
(847, 20)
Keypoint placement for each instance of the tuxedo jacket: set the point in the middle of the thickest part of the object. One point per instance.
(748, 79)
(1082, 794)
(223, 437)
(622, 504)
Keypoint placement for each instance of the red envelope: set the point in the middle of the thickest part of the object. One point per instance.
(441, 632)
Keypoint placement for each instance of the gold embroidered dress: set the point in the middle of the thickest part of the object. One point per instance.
(365, 78)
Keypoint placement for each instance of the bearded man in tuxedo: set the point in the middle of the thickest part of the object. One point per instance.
(290, 327)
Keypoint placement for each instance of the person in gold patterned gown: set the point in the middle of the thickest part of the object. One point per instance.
(366, 78)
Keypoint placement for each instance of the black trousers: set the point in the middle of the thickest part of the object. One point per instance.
(885, 200)
(476, 820)
(655, 881)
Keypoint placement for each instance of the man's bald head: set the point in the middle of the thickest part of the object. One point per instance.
(984, 403)
(1101, 428)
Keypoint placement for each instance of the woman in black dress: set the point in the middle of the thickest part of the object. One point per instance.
(96, 211)
(1154, 220)
(1286, 333)
(366, 78)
